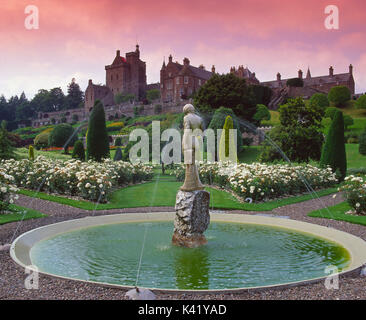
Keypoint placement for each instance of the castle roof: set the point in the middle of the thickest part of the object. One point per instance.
(118, 60)
(197, 72)
(312, 81)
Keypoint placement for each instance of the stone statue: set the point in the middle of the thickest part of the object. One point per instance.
(192, 202)
(190, 146)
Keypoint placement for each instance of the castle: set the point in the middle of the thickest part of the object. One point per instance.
(124, 75)
(178, 82)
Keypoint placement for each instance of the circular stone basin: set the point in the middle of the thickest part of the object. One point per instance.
(242, 252)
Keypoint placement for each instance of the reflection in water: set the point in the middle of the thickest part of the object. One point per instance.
(191, 268)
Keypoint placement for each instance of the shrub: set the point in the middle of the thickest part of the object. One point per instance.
(262, 94)
(6, 146)
(348, 121)
(97, 138)
(261, 182)
(152, 94)
(339, 96)
(361, 102)
(299, 134)
(62, 135)
(362, 143)
(262, 113)
(41, 140)
(118, 155)
(78, 152)
(355, 192)
(320, 99)
(334, 151)
(118, 142)
(31, 153)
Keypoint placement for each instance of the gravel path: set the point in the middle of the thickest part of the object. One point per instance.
(12, 276)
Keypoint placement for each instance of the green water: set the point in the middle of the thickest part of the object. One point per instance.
(237, 255)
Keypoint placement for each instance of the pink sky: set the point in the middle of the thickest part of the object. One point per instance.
(77, 38)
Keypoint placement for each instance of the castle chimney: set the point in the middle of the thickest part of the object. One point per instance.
(351, 69)
(186, 61)
(118, 53)
(213, 69)
(278, 76)
(90, 82)
(331, 71)
(300, 74)
(202, 67)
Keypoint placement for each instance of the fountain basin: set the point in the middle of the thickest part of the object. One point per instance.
(243, 252)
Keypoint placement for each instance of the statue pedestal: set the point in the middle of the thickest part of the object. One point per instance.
(192, 218)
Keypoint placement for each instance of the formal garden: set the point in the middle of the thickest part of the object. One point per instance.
(310, 164)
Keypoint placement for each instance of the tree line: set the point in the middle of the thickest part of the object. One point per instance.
(19, 109)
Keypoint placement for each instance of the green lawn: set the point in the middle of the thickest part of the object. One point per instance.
(18, 214)
(249, 154)
(354, 158)
(337, 212)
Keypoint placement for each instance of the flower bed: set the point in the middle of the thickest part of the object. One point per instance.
(7, 190)
(260, 181)
(355, 193)
(89, 180)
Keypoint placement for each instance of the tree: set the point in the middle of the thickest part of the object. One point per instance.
(97, 147)
(78, 152)
(339, 96)
(75, 96)
(227, 91)
(262, 113)
(218, 122)
(62, 135)
(31, 153)
(362, 143)
(334, 151)
(361, 102)
(6, 147)
(262, 94)
(153, 94)
(320, 99)
(330, 112)
(295, 82)
(299, 134)
(227, 142)
(118, 155)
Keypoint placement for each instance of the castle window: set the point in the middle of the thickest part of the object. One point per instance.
(177, 80)
(185, 80)
(162, 86)
(170, 74)
(199, 82)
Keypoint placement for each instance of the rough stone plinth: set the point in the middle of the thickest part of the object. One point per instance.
(192, 218)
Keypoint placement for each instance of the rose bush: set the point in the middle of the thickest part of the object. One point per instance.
(355, 192)
(7, 190)
(260, 181)
(89, 180)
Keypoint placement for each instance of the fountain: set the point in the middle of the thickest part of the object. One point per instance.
(192, 203)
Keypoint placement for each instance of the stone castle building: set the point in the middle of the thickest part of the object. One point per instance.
(245, 73)
(125, 75)
(179, 81)
(312, 85)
